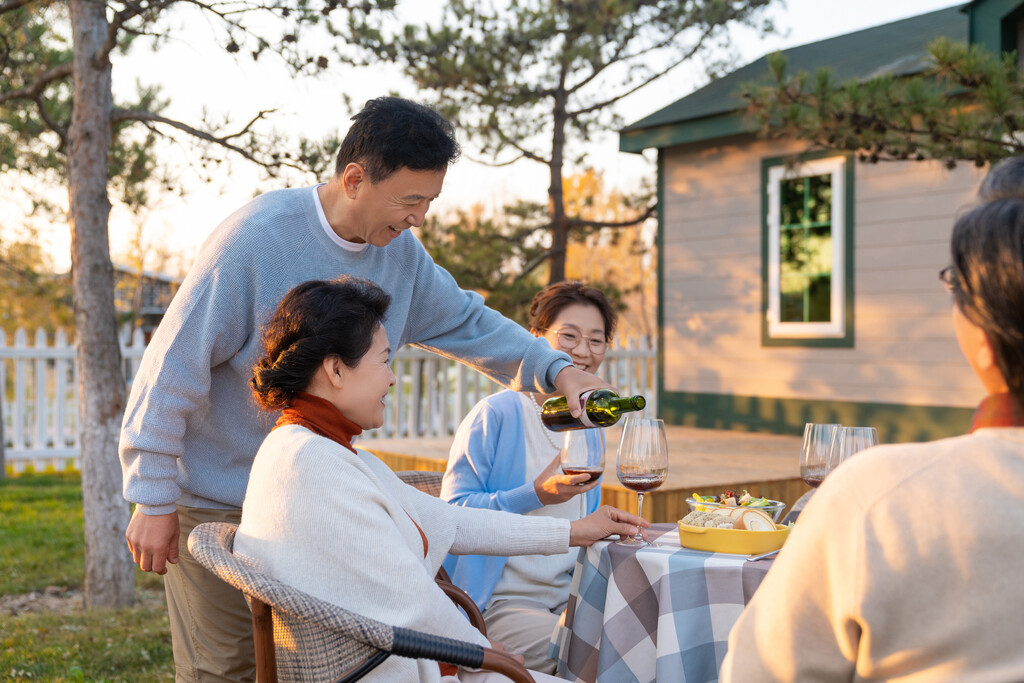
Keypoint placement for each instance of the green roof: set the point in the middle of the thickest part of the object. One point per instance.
(716, 110)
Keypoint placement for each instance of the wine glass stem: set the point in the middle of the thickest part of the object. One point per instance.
(639, 512)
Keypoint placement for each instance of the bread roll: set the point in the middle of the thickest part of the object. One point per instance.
(753, 519)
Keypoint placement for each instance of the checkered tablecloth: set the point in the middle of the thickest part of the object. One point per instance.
(654, 614)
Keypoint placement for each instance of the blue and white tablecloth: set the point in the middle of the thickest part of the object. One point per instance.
(653, 614)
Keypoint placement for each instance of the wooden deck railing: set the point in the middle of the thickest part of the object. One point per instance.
(433, 394)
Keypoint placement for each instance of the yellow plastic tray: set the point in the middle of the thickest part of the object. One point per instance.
(738, 541)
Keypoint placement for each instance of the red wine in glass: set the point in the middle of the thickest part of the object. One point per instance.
(641, 482)
(594, 472)
(813, 480)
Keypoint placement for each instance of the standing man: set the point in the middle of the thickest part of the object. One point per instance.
(191, 429)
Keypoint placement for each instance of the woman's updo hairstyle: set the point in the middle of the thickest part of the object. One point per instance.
(316, 319)
(988, 262)
(550, 301)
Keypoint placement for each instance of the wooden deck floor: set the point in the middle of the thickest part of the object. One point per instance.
(705, 461)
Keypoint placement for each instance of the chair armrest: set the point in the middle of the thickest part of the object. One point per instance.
(504, 663)
(418, 645)
(461, 598)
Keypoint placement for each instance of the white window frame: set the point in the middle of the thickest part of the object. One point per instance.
(836, 327)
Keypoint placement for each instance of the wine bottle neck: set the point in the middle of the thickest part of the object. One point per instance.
(628, 402)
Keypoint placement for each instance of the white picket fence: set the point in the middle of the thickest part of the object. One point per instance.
(433, 394)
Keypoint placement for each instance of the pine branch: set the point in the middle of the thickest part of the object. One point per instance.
(644, 82)
(35, 90)
(60, 130)
(11, 5)
(579, 223)
(224, 141)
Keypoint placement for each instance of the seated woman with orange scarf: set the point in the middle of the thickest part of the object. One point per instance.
(334, 521)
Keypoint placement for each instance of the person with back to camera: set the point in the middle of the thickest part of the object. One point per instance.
(504, 458)
(905, 564)
(336, 522)
(190, 428)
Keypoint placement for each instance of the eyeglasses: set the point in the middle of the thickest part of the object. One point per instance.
(948, 277)
(570, 339)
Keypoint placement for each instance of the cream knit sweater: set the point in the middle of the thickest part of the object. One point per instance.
(337, 525)
(904, 566)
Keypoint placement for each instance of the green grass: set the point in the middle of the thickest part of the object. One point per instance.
(42, 545)
(40, 532)
(93, 645)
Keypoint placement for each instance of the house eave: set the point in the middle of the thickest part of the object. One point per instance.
(686, 132)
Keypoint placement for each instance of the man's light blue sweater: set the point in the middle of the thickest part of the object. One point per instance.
(191, 428)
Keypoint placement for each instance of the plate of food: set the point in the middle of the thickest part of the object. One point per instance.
(740, 530)
(733, 499)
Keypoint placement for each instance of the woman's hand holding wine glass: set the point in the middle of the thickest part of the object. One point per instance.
(642, 463)
(605, 522)
(576, 469)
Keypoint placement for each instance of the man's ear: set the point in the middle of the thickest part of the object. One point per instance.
(353, 178)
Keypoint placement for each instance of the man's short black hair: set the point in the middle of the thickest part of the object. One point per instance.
(391, 133)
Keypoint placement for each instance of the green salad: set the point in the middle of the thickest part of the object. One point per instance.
(730, 499)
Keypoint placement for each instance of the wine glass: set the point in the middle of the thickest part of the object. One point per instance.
(642, 464)
(814, 452)
(583, 453)
(848, 441)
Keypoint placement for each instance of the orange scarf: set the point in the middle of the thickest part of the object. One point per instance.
(998, 410)
(319, 416)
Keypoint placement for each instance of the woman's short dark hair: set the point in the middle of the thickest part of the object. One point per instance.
(988, 261)
(1005, 180)
(550, 301)
(391, 133)
(314, 320)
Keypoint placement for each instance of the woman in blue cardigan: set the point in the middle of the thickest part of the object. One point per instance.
(503, 458)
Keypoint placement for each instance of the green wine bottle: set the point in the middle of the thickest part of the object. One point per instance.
(602, 408)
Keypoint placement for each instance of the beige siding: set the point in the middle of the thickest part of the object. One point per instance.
(904, 349)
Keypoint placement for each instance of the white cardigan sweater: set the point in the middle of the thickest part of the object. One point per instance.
(904, 566)
(339, 525)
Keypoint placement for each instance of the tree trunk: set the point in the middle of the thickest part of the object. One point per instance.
(556, 193)
(109, 573)
(3, 437)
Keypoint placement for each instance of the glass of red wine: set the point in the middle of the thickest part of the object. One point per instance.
(642, 464)
(583, 453)
(814, 451)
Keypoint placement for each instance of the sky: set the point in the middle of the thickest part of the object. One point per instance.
(192, 76)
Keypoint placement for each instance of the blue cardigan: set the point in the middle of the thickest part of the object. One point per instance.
(487, 469)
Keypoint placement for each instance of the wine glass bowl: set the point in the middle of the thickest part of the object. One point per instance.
(814, 452)
(583, 453)
(848, 441)
(642, 463)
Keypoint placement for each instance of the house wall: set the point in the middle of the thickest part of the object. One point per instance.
(904, 351)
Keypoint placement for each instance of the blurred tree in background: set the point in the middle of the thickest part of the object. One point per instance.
(530, 80)
(502, 257)
(33, 298)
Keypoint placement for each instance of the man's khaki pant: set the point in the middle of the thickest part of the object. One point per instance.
(211, 626)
